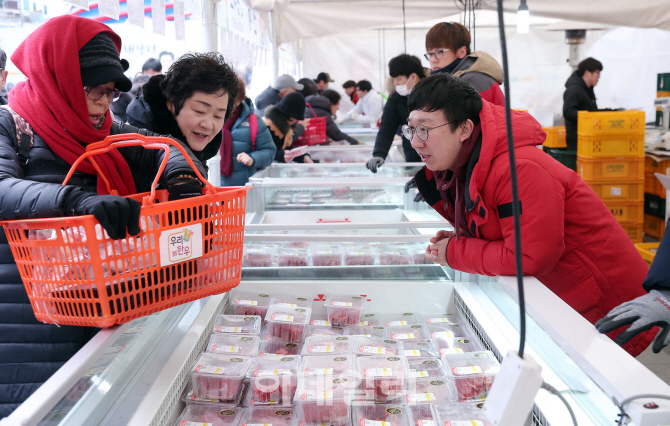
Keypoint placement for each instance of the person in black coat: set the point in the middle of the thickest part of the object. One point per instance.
(281, 119)
(80, 84)
(406, 71)
(326, 105)
(579, 96)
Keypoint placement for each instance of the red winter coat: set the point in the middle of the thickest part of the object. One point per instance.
(571, 241)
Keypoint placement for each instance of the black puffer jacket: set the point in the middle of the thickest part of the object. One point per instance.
(30, 352)
(577, 97)
(321, 106)
(150, 112)
(394, 116)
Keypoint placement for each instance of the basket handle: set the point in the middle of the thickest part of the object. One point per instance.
(311, 109)
(147, 142)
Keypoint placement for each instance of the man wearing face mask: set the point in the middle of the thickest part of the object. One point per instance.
(406, 71)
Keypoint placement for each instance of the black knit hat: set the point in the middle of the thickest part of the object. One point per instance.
(293, 106)
(99, 64)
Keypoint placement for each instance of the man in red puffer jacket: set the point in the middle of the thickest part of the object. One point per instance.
(571, 241)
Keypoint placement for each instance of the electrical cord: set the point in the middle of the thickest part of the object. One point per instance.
(515, 186)
(549, 388)
(623, 403)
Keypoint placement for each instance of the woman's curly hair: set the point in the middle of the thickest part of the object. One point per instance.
(200, 72)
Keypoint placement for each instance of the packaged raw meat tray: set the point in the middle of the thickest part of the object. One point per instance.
(276, 347)
(331, 366)
(246, 345)
(324, 403)
(371, 318)
(394, 255)
(377, 346)
(364, 255)
(323, 255)
(400, 319)
(366, 330)
(327, 345)
(319, 328)
(293, 301)
(273, 378)
(449, 330)
(472, 372)
(219, 376)
(433, 391)
(189, 397)
(344, 309)
(250, 400)
(420, 349)
(456, 345)
(370, 414)
(457, 414)
(385, 375)
(426, 368)
(293, 257)
(422, 414)
(258, 255)
(269, 415)
(237, 324)
(416, 332)
(210, 415)
(446, 319)
(287, 322)
(250, 303)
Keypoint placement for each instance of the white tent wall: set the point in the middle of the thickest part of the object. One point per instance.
(538, 63)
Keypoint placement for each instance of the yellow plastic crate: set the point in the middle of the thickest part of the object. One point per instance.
(604, 146)
(618, 190)
(623, 168)
(647, 251)
(610, 123)
(654, 226)
(634, 231)
(555, 137)
(653, 186)
(653, 166)
(627, 211)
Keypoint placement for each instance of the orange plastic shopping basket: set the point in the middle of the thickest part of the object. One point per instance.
(187, 249)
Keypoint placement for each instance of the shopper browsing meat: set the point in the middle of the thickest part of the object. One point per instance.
(571, 242)
(73, 72)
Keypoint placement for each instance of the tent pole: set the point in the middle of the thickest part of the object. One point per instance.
(209, 26)
(275, 45)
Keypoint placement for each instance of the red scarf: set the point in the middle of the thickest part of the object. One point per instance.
(52, 99)
(227, 164)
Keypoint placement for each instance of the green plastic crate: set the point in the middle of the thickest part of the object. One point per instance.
(563, 156)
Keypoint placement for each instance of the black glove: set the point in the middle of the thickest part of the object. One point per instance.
(183, 186)
(409, 185)
(374, 163)
(114, 213)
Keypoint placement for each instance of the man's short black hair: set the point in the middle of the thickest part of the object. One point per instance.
(200, 72)
(332, 96)
(364, 86)
(455, 97)
(405, 65)
(308, 87)
(3, 60)
(590, 65)
(152, 64)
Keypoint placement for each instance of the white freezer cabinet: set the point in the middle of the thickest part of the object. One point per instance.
(330, 194)
(351, 154)
(138, 380)
(335, 171)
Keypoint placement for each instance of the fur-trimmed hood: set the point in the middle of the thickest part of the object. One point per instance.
(150, 111)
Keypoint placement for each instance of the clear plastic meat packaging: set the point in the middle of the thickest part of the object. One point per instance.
(400, 319)
(331, 366)
(370, 414)
(287, 322)
(273, 378)
(456, 345)
(292, 301)
(366, 346)
(318, 328)
(276, 347)
(472, 372)
(420, 349)
(433, 391)
(210, 415)
(416, 332)
(324, 403)
(426, 368)
(323, 255)
(250, 303)
(189, 397)
(327, 345)
(457, 414)
(269, 415)
(344, 309)
(384, 376)
(246, 345)
(237, 324)
(293, 257)
(394, 255)
(366, 330)
(258, 255)
(357, 256)
(219, 376)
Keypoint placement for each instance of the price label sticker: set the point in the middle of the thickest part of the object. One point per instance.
(224, 348)
(464, 371)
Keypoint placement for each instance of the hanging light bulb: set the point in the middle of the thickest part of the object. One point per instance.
(522, 18)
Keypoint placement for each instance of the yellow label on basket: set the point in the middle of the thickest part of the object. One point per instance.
(180, 244)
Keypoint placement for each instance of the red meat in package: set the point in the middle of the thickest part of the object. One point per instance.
(276, 347)
(360, 256)
(268, 415)
(216, 376)
(287, 322)
(384, 375)
(472, 373)
(274, 378)
(327, 256)
(327, 345)
(366, 414)
(293, 257)
(392, 255)
(324, 403)
(377, 346)
(250, 303)
(344, 309)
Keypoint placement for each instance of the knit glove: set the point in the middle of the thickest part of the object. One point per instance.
(643, 313)
(115, 214)
(183, 186)
(374, 163)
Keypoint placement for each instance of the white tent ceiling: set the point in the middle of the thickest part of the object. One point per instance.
(319, 18)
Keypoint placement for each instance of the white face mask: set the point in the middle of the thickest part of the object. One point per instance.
(402, 90)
